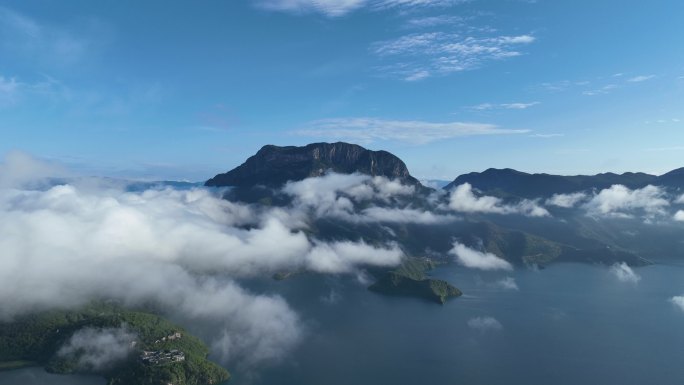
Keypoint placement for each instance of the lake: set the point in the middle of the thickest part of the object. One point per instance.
(567, 324)
(38, 376)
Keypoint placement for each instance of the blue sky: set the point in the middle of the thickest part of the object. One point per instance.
(184, 90)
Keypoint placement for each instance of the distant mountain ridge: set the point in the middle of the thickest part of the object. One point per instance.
(274, 165)
(568, 235)
(511, 182)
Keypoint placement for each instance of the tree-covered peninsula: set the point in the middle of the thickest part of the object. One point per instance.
(127, 347)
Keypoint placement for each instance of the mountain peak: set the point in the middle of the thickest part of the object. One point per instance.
(275, 165)
(510, 182)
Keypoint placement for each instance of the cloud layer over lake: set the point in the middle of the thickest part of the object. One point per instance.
(68, 244)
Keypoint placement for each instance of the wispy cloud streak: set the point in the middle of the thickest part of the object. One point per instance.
(369, 130)
(440, 53)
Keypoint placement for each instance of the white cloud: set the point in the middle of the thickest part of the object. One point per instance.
(336, 8)
(557, 86)
(342, 257)
(624, 273)
(679, 216)
(152, 245)
(518, 106)
(530, 208)
(439, 53)
(168, 226)
(484, 107)
(433, 21)
(640, 78)
(156, 245)
(485, 324)
(336, 195)
(616, 82)
(678, 301)
(369, 130)
(416, 3)
(417, 56)
(505, 106)
(407, 44)
(478, 260)
(601, 91)
(405, 215)
(333, 194)
(463, 199)
(566, 200)
(507, 283)
(324, 193)
(621, 201)
(98, 349)
(386, 189)
(418, 75)
(18, 170)
(608, 88)
(330, 8)
(521, 39)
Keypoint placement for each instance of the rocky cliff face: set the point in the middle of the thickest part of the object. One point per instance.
(274, 165)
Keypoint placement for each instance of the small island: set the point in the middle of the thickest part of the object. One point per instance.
(146, 349)
(410, 280)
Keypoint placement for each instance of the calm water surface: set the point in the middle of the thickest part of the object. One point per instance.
(567, 324)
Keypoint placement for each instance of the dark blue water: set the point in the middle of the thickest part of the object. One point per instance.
(568, 324)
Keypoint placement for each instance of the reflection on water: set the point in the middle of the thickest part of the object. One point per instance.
(568, 324)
